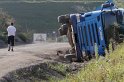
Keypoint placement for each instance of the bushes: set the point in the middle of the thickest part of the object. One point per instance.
(25, 37)
(3, 36)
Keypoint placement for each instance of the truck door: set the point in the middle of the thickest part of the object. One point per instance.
(85, 37)
(82, 36)
(100, 35)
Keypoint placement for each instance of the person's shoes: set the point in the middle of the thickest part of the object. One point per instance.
(12, 50)
(9, 49)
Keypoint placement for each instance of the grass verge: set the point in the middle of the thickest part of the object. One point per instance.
(109, 69)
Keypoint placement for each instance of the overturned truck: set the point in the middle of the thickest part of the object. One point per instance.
(97, 28)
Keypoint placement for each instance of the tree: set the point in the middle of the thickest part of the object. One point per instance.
(119, 3)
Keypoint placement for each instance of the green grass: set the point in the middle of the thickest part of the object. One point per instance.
(43, 72)
(110, 69)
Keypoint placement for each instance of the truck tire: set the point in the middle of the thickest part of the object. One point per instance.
(63, 19)
(63, 29)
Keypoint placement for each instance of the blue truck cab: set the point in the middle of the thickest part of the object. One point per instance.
(89, 29)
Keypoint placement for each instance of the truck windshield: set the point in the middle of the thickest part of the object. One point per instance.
(109, 19)
(120, 17)
(123, 19)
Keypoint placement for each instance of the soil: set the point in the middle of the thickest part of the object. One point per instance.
(28, 54)
(23, 64)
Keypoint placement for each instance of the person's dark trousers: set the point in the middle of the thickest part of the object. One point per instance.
(10, 42)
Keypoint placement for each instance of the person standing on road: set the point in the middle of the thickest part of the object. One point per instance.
(11, 34)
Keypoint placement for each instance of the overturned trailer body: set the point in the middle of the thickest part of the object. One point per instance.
(85, 30)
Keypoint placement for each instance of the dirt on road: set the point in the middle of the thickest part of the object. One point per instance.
(27, 55)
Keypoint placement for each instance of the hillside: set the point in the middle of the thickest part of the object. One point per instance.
(42, 17)
(51, 0)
